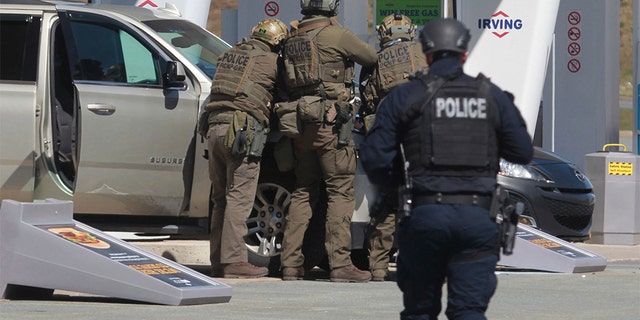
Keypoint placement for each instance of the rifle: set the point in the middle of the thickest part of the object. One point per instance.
(506, 212)
(406, 189)
(381, 207)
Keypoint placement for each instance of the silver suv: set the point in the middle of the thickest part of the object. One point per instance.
(100, 105)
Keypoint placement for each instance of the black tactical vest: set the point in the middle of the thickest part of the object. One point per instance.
(454, 133)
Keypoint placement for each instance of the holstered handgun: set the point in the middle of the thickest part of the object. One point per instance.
(506, 212)
(345, 120)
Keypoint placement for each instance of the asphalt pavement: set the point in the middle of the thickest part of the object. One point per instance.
(610, 294)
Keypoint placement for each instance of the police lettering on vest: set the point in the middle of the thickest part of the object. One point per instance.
(395, 63)
(298, 50)
(302, 61)
(395, 55)
(234, 61)
(461, 108)
(456, 109)
(233, 76)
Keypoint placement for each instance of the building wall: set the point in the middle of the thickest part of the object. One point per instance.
(214, 23)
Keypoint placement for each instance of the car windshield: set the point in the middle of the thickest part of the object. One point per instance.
(199, 46)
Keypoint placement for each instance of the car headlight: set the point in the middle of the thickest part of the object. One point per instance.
(513, 170)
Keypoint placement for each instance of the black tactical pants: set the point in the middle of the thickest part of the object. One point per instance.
(452, 242)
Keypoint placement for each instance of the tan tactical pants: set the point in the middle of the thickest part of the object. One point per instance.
(380, 243)
(337, 168)
(234, 182)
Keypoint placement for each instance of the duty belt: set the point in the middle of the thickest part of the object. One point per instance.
(483, 201)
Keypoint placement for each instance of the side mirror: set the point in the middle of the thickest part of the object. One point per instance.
(175, 76)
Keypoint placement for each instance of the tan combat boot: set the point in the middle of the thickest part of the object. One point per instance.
(244, 270)
(349, 274)
(379, 274)
(292, 273)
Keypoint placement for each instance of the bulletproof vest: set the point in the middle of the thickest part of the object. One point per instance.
(232, 75)
(395, 63)
(454, 134)
(302, 61)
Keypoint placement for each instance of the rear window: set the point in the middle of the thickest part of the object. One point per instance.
(19, 41)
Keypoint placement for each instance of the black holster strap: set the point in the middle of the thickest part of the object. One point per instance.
(483, 201)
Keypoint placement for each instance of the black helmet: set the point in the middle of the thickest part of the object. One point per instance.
(444, 34)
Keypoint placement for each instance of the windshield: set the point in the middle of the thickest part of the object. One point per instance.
(197, 45)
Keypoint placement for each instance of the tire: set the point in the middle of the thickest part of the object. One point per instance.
(267, 219)
(266, 225)
(266, 222)
(266, 228)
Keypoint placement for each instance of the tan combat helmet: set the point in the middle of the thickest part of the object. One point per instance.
(395, 26)
(270, 30)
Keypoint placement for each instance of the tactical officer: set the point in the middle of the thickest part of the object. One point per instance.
(238, 117)
(454, 129)
(399, 58)
(319, 58)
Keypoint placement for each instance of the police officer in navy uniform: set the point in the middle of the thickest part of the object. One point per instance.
(454, 128)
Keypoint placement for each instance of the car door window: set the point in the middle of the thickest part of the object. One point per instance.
(19, 43)
(108, 53)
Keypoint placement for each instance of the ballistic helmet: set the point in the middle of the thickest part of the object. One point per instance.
(326, 6)
(270, 30)
(395, 26)
(444, 34)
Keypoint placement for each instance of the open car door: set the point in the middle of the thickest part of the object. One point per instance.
(134, 124)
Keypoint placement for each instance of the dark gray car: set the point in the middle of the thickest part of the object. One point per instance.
(558, 197)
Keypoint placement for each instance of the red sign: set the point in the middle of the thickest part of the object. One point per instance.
(271, 8)
(574, 33)
(574, 18)
(574, 48)
(573, 65)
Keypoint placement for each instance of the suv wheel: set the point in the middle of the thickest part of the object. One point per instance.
(266, 223)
